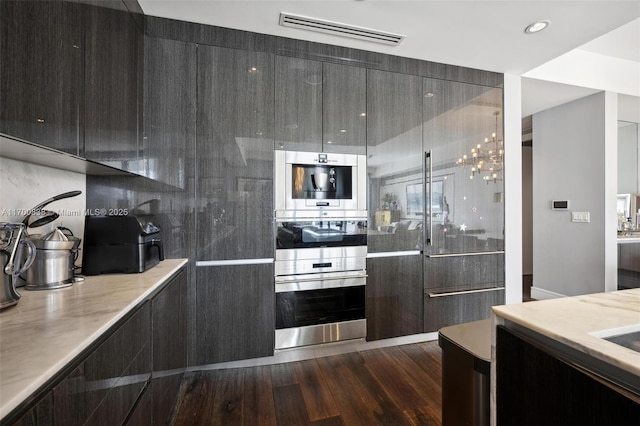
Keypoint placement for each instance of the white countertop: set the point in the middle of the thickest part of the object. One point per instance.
(48, 328)
(576, 322)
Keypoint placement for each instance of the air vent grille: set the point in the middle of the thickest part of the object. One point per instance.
(336, 28)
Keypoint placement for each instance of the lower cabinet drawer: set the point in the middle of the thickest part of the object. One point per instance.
(124, 392)
(122, 360)
(444, 309)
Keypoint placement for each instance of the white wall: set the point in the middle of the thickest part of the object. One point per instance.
(513, 187)
(628, 145)
(574, 158)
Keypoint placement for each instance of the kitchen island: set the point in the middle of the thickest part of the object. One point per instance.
(552, 362)
(50, 332)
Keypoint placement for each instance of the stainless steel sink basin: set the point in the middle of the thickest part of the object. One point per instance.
(629, 337)
(629, 340)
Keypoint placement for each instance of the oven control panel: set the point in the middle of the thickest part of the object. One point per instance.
(308, 266)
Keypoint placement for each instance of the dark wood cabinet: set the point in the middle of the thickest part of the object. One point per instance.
(298, 104)
(169, 110)
(234, 165)
(169, 316)
(130, 375)
(112, 86)
(40, 415)
(319, 107)
(462, 133)
(394, 158)
(460, 289)
(105, 386)
(344, 109)
(394, 296)
(41, 73)
(541, 384)
(441, 310)
(235, 313)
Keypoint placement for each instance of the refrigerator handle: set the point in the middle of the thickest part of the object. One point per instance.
(428, 167)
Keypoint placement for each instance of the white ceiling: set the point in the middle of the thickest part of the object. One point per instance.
(479, 34)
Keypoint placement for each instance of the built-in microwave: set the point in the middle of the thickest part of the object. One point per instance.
(309, 184)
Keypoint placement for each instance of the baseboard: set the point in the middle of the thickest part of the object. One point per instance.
(542, 294)
(319, 351)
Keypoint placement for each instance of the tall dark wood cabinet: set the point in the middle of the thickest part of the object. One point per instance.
(42, 73)
(234, 148)
(319, 107)
(464, 204)
(169, 110)
(234, 307)
(236, 318)
(394, 151)
(394, 158)
(112, 86)
(169, 325)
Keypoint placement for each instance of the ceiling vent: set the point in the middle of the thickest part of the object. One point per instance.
(336, 28)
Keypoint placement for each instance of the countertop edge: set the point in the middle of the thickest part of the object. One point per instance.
(27, 391)
(626, 363)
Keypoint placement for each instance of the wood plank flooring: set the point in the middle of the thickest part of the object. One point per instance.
(398, 385)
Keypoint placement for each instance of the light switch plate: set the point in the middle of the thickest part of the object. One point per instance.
(581, 217)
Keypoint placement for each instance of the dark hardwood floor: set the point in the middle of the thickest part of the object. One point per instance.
(398, 385)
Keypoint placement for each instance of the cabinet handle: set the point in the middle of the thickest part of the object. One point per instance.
(475, 253)
(428, 169)
(307, 280)
(456, 293)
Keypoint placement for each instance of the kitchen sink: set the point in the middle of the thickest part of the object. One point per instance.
(629, 337)
(629, 340)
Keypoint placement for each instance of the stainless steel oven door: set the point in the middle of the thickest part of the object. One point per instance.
(320, 184)
(319, 308)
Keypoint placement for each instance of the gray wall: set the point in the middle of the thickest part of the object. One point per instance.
(574, 158)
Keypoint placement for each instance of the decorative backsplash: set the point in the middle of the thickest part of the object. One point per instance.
(25, 185)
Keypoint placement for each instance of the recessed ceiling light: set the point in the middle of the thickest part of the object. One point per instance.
(537, 27)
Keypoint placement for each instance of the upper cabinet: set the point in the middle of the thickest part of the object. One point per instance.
(113, 86)
(394, 161)
(234, 148)
(298, 104)
(344, 115)
(464, 156)
(319, 107)
(71, 78)
(41, 73)
(168, 142)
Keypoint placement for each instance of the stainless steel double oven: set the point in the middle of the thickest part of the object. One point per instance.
(321, 247)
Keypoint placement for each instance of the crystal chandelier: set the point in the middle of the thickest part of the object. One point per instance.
(486, 159)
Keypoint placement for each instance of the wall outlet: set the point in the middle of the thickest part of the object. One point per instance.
(583, 217)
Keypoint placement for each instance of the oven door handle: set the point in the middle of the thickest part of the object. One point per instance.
(306, 280)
